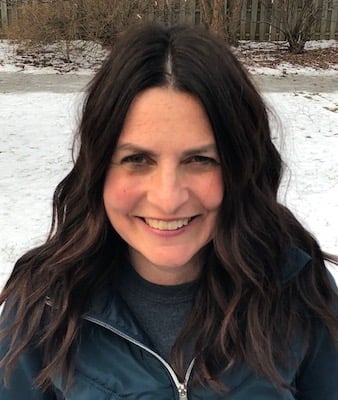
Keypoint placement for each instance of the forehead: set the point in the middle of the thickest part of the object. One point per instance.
(166, 115)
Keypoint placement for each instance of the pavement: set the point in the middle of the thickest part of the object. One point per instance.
(19, 82)
(16, 82)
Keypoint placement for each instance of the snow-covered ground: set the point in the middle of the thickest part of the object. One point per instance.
(36, 130)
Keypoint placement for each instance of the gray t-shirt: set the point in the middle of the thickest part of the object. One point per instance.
(160, 310)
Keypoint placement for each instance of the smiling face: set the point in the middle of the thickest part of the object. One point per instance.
(164, 187)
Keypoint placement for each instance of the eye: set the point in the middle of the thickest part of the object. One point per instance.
(137, 160)
(201, 160)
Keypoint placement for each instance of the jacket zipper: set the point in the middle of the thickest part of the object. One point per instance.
(182, 387)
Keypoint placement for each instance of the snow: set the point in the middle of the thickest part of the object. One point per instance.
(309, 45)
(61, 57)
(284, 69)
(271, 53)
(36, 131)
(36, 137)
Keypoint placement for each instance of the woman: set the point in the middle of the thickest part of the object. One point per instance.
(171, 270)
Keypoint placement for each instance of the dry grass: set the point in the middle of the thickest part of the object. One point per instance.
(275, 54)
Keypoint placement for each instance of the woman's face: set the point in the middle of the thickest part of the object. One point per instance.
(164, 187)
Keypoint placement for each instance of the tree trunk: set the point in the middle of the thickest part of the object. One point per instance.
(217, 21)
(4, 17)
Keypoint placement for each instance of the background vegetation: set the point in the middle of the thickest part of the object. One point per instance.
(38, 23)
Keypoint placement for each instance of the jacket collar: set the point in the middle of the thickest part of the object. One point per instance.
(109, 308)
(293, 261)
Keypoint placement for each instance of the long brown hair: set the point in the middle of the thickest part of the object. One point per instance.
(243, 308)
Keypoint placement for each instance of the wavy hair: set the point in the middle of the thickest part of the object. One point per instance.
(242, 309)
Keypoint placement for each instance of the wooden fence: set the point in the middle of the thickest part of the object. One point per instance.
(259, 20)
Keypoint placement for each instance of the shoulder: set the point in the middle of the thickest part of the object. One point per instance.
(317, 374)
(297, 265)
(313, 296)
(292, 262)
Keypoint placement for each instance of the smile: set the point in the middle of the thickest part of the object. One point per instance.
(167, 225)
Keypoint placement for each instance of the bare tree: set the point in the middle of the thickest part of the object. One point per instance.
(296, 21)
(96, 20)
(222, 17)
(70, 26)
(232, 21)
(103, 20)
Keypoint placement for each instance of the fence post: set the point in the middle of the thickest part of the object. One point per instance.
(191, 12)
(226, 15)
(4, 15)
(274, 22)
(323, 21)
(242, 31)
(182, 11)
(253, 23)
(334, 20)
(14, 9)
(262, 21)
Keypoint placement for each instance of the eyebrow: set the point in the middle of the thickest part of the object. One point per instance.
(201, 150)
(197, 150)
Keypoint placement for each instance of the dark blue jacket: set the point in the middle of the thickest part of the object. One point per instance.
(116, 361)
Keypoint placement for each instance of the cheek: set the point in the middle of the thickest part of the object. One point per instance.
(117, 194)
(211, 192)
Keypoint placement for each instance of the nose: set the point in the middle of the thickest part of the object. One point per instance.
(167, 190)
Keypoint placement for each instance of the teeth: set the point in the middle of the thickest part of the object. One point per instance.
(167, 225)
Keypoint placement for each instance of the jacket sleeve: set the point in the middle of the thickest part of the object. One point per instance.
(318, 374)
(21, 385)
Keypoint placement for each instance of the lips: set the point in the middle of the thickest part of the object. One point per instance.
(163, 225)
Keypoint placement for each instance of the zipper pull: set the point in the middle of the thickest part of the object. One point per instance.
(182, 391)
